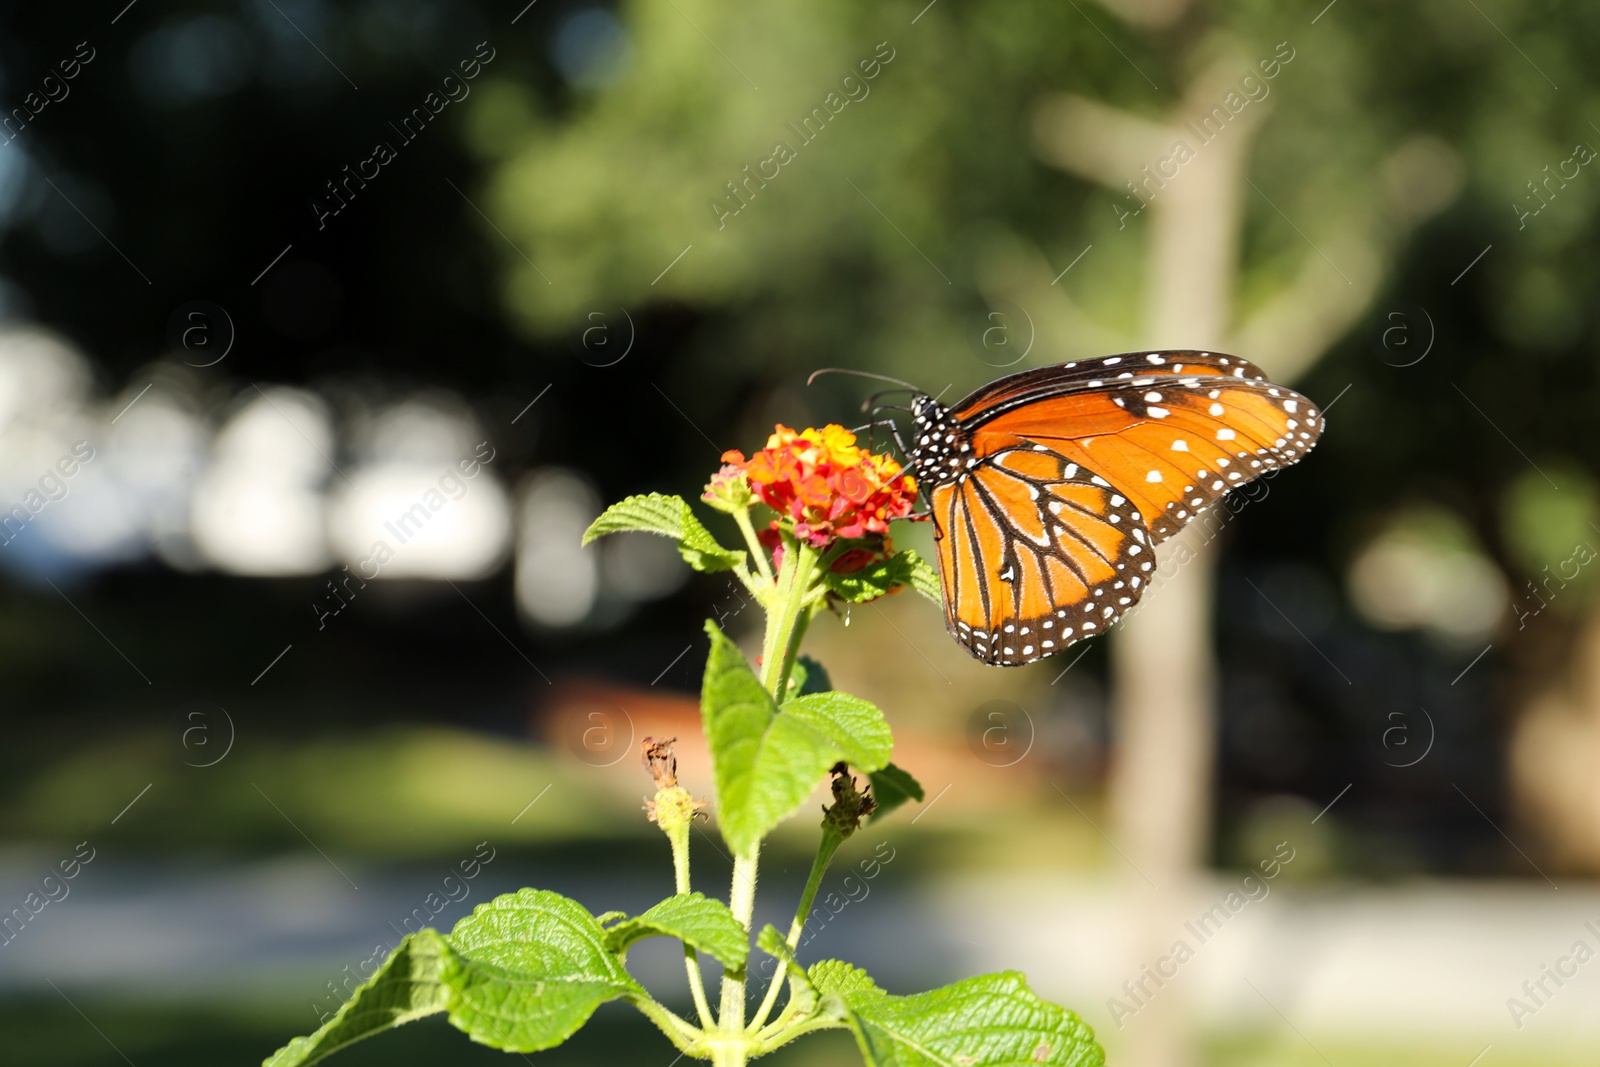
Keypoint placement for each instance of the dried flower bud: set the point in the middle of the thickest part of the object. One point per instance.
(659, 761)
(850, 806)
(673, 809)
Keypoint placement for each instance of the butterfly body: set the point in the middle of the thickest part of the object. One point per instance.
(1049, 489)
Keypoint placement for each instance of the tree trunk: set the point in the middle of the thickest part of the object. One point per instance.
(1163, 677)
(1162, 668)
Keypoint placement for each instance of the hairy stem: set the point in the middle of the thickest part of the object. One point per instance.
(683, 1035)
(785, 622)
(792, 654)
(794, 584)
(691, 962)
(831, 840)
(742, 902)
(779, 1036)
(742, 517)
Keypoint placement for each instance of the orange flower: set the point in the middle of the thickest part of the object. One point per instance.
(825, 484)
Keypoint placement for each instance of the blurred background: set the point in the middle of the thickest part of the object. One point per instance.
(327, 327)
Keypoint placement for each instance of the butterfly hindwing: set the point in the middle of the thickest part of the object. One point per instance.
(1035, 552)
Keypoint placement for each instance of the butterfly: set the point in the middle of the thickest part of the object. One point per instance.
(1050, 488)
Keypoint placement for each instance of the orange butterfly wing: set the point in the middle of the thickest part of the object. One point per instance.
(1035, 552)
(1077, 471)
(1173, 431)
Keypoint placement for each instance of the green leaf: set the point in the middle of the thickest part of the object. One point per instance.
(893, 786)
(767, 761)
(694, 918)
(802, 993)
(876, 579)
(736, 711)
(924, 579)
(855, 727)
(669, 516)
(842, 979)
(535, 967)
(411, 983)
(807, 676)
(991, 1021)
(770, 941)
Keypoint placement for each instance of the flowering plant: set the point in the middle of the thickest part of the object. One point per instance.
(819, 480)
(526, 970)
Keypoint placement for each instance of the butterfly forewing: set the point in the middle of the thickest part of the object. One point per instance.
(1050, 487)
(1035, 552)
(1173, 436)
(1090, 374)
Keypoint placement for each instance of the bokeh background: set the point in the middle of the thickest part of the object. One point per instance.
(271, 269)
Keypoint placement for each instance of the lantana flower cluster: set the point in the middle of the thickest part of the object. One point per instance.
(824, 486)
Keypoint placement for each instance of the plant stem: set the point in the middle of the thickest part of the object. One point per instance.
(742, 517)
(783, 1037)
(742, 902)
(792, 654)
(794, 583)
(691, 962)
(678, 1030)
(831, 840)
(786, 618)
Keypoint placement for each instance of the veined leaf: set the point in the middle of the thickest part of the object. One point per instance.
(994, 1020)
(535, 966)
(893, 786)
(412, 982)
(855, 727)
(842, 979)
(876, 579)
(737, 712)
(694, 918)
(766, 760)
(923, 578)
(669, 516)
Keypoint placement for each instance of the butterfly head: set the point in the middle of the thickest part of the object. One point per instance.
(941, 449)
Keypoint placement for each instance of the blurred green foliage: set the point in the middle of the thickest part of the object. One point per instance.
(1548, 514)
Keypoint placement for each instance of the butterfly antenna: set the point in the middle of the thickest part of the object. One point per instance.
(860, 374)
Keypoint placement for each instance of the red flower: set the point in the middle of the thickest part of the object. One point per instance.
(827, 487)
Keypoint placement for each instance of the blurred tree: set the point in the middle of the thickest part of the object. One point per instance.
(1189, 167)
